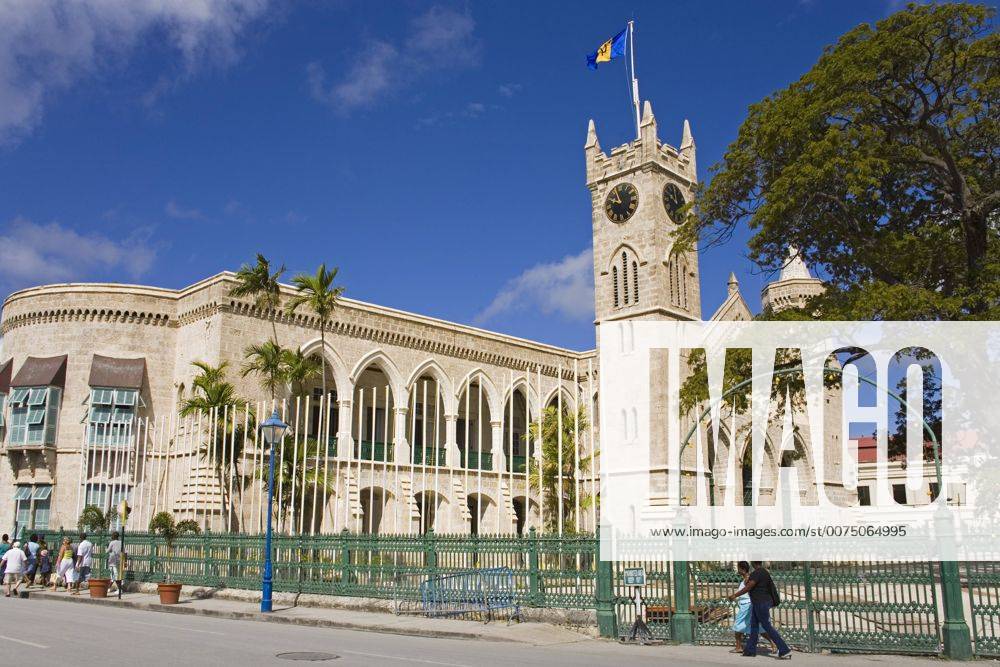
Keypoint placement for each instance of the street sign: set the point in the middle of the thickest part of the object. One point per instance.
(634, 576)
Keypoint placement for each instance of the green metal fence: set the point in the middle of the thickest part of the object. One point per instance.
(984, 605)
(885, 607)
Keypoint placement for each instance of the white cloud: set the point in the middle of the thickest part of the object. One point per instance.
(48, 45)
(565, 287)
(32, 253)
(176, 211)
(509, 89)
(439, 39)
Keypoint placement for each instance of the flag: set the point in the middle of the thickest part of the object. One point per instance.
(613, 48)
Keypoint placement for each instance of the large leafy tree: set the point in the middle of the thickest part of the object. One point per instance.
(881, 166)
(318, 294)
(258, 282)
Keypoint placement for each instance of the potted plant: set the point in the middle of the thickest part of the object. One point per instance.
(163, 524)
(94, 520)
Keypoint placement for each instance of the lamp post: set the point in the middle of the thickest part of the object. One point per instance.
(272, 430)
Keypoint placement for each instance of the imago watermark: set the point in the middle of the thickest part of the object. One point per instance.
(800, 440)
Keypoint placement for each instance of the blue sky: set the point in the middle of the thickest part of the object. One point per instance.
(432, 151)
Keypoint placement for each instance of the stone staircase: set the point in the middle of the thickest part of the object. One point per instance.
(507, 503)
(410, 500)
(461, 498)
(200, 493)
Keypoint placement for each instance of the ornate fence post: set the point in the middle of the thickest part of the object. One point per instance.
(534, 590)
(954, 631)
(430, 553)
(682, 623)
(207, 578)
(810, 618)
(344, 562)
(607, 619)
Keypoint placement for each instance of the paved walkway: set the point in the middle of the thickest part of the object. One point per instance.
(536, 634)
(101, 633)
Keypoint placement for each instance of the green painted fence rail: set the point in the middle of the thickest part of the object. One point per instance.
(883, 607)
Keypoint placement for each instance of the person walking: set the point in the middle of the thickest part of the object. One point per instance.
(741, 618)
(64, 565)
(4, 547)
(763, 596)
(14, 561)
(31, 551)
(114, 559)
(84, 559)
(44, 564)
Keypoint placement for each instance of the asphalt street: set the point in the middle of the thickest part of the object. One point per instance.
(46, 632)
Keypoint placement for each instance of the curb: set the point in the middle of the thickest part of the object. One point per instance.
(183, 610)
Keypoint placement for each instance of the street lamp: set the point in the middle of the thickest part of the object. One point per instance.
(272, 431)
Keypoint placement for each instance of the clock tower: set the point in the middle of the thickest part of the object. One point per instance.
(635, 192)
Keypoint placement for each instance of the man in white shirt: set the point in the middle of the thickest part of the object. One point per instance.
(14, 562)
(84, 559)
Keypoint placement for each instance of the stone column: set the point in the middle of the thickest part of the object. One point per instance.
(402, 447)
(345, 442)
(453, 458)
(499, 458)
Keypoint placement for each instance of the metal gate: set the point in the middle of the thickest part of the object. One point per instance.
(871, 606)
(984, 603)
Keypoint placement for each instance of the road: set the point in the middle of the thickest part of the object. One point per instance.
(47, 632)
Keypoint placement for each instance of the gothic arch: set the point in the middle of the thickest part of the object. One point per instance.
(433, 368)
(567, 397)
(530, 395)
(623, 269)
(380, 359)
(341, 378)
(489, 390)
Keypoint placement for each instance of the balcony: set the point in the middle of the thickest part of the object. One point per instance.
(477, 460)
(432, 456)
(364, 452)
(519, 463)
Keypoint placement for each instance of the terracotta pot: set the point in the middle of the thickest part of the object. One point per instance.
(98, 587)
(169, 593)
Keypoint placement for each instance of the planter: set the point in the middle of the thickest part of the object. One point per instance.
(169, 593)
(98, 587)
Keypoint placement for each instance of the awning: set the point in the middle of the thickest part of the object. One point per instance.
(41, 372)
(6, 370)
(123, 373)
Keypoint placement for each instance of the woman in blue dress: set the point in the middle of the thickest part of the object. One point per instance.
(741, 619)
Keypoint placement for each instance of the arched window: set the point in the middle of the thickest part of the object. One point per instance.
(635, 280)
(614, 284)
(625, 275)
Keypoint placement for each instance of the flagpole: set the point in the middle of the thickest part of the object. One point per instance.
(635, 81)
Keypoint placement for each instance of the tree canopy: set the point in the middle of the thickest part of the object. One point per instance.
(880, 166)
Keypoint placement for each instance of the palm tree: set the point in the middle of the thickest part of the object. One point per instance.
(163, 524)
(318, 294)
(297, 474)
(268, 360)
(257, 281)
(299, 369)
(212, 395)
(548, 475)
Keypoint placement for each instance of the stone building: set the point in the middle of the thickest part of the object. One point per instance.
(425, 425)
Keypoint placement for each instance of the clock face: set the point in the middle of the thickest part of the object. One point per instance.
(621, 202)
(672, 200)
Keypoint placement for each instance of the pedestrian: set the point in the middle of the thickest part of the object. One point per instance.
(114, 559)
(741, 619)
(763, 596)
(31, 551)
(64, 565)
(44, 564)
(14, 562)
(4, 547)
(84, 559)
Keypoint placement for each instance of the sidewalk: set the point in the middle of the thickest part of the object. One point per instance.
(535, 634)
